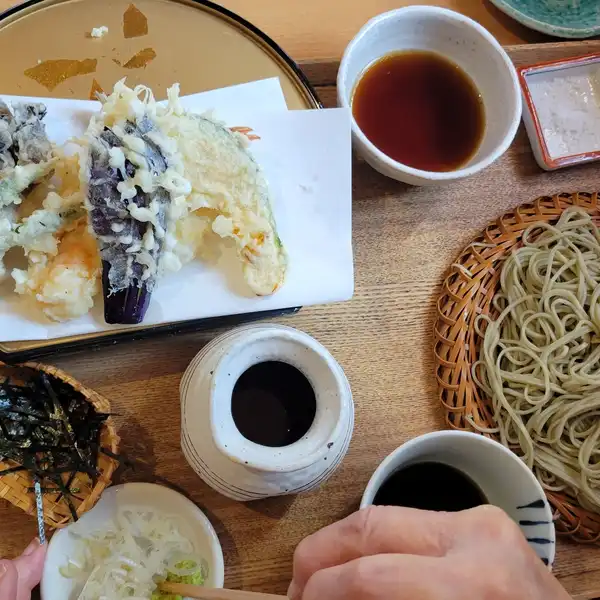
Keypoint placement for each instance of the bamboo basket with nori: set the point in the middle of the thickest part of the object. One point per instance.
(77, 491)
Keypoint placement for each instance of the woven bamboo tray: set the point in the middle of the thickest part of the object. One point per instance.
(457, 344)
(13, 487)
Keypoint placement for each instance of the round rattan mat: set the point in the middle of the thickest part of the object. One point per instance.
(467, 291)
(16, 487)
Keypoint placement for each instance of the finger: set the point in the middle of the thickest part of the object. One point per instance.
(8, 580)
(389, 576)
(29, 567)
(374, 530)
(33, 546)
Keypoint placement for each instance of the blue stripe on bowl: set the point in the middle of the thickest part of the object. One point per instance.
(536, 530)
(541, 541)
(541, 503)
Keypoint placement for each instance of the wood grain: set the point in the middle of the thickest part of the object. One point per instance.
(404, 240)
(313, 29)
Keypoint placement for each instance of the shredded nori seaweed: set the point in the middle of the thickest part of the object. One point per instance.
(50, 430)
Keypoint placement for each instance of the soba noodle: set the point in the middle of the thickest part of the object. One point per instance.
(540, 359)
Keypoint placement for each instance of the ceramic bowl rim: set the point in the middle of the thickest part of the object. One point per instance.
(494, 45)
(262, 461)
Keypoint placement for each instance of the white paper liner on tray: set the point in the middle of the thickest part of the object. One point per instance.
(306, 156)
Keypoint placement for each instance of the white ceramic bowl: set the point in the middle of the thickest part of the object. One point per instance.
(135, 495)
(502, 476)
(222, 456)
(463, 41)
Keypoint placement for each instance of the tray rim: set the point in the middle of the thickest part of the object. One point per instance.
(11, 352)
(243, 23)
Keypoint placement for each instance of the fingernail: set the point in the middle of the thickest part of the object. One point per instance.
(292, 591)
(33, 546)
(2, 570)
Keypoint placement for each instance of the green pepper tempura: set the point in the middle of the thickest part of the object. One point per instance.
(196, 578)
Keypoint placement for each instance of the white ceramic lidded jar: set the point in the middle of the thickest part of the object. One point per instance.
(212, 442)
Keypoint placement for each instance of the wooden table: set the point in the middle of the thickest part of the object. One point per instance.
(404, 239)
(318, 29)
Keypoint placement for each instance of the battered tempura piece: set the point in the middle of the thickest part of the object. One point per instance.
(128, 209)
(65, 282)
(226, 179)
(30, 143)
(25, 151)
(25, 156)
(7, 128)
(63, 271)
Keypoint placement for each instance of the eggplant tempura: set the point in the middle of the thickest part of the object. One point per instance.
(128, 205)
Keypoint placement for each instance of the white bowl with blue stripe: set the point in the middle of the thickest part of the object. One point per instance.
(502, 476)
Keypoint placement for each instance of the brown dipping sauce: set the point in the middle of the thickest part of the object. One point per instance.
(420, 109)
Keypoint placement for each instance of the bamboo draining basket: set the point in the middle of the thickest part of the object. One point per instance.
(14, 487)
(467, 291)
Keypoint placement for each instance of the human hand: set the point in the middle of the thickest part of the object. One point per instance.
(392, 553)
(18, 577)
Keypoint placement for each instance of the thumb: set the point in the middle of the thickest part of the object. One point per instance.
(29, 567)
(9, 580)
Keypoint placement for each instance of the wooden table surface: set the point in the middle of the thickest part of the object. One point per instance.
(404, 239)
(317, 29)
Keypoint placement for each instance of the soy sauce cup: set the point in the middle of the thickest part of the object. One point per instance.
(225, 453)
(503, 478)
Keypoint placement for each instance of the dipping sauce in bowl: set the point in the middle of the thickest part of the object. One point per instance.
(420, 109)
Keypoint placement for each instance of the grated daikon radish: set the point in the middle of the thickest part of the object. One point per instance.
(130, 555)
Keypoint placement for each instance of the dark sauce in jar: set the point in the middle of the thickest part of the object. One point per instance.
(420, 109)
(430, 486)
(273, 404)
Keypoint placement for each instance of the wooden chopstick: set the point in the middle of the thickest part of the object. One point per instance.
(202, 593)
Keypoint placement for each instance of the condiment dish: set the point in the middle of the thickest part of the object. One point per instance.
(561, 110)
(141, 496)
(464, 42)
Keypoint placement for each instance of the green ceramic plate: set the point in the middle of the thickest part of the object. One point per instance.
(560, 18)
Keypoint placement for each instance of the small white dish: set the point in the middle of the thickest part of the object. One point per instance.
(464, 42)
(140, 496)
(562, 110)
(501, 475)
(237, 467)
